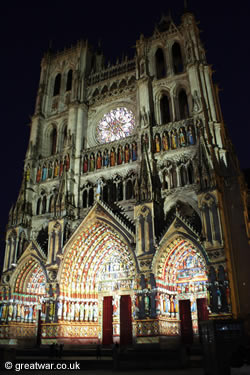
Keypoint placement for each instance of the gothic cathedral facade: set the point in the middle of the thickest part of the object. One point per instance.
(131, 224)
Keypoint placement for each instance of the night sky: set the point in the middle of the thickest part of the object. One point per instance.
(27, 30)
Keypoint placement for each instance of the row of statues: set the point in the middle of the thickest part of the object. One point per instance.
(174, 139)
(168, 305)
(19, 312)
(51, 169)
(75, 311)
(110, 158)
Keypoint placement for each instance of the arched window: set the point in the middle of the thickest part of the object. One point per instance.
(216, 223)
(177, 58)
(183, 105)
(91, 197)
(53, 142)
(183, 176)
(64, 136)
(160, 64)
(190, 173)
(57, 85)
(174, 178)
(120, 191)
(38, 206)
(165, 110)
(44, 204)
(129, 190)
(105, 193)
(84, 199)
(69, 80)
(112, 192)
(208, 223)
(51, 203)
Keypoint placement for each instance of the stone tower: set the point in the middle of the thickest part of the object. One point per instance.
(132, 210)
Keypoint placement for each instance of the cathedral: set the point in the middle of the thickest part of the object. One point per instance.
(131, 225)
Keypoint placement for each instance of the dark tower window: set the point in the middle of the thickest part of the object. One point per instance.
(84, 199)
(51, 203)
(177, 58)
(129, 190)
(183, 105)
(53, 141)
(38, 206)
(44, 204)
(91, 197)
(57, 85)
(105, 193)
(120, 192)
(165, 110)
(64, 136)
(160, 64)
(69, 80)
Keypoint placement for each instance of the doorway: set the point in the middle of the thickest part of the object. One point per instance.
(186, 322)
(107, 326)
(125, 321)
(202, 311)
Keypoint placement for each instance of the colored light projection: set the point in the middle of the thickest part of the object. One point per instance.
(31, 279)
(189, 272)
(181, 275)
(116, 124)
(29, 287)
(98, 262)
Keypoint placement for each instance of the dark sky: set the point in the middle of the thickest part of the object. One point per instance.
(25, 34)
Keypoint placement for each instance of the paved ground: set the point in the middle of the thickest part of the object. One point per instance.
(14, 363)
(245, 370)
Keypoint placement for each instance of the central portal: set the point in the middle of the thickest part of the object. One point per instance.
(114, 326)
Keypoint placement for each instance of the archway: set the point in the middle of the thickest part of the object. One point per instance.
(28, 292)
(98, 269)
(182, 279)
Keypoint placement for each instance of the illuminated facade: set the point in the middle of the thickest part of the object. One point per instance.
(124, 229)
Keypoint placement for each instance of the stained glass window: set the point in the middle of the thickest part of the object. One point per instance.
(116, 124)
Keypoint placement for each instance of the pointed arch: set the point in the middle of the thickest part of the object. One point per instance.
(85, 198)
(183, 104)
(160, 65)
(57, 85)
(69, 80)
(30, 278)
(52, 140)
(170, 258)
(165, 109)
(96, 251)
(177, 58)
(38, 206)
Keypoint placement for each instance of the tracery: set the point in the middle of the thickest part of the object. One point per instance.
(116, 124)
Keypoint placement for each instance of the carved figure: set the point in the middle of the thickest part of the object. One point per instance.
(39, 174)
(190, 136)
(112, 157)
(85, 164)
(99, 160)
(165, 144)
(157, 143)
(134, 151)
